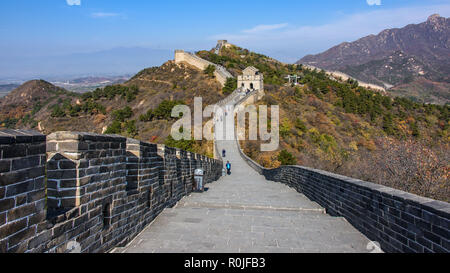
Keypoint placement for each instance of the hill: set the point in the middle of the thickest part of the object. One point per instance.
(26, 101)
(125, 109)
(404, 58)
(341, 127)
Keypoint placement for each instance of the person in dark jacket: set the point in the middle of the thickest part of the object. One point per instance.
(228, 167)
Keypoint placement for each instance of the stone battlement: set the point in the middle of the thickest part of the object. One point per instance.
(88, 191)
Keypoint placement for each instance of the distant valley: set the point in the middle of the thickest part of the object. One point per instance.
(6, 88)
(86, 84)
(112, 62)
(78, 85)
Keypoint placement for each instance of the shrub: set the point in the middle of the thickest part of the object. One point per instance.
(209, 70)
(164, 109)
(230, 86)
(114, 128)
(111, 91)
(131, 128)
(122, 114)
(58, 112)
(186, 145)
(286, 158)
(147, 116)
(300, 125)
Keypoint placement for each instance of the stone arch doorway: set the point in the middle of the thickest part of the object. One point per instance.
(251, 86)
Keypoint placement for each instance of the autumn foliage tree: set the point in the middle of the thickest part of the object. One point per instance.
(410, 166)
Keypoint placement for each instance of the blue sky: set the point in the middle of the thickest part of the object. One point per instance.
(284, 29)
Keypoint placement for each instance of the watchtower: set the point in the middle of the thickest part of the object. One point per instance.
(251, 80)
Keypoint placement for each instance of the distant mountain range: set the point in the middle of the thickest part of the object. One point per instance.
(413, 61)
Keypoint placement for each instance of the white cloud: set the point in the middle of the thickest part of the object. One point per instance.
(104, 14)
(262, 28)
(289, 43)
(374, 2)
(73, 2)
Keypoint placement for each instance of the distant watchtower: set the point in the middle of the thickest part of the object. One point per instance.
(252, 80)
(220, 44)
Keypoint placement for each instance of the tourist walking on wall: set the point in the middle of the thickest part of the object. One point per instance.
(228, 167)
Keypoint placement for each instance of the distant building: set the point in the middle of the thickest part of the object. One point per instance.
(222, 42)
(251, 79)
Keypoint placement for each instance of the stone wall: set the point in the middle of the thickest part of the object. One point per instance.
(221, 73)
(99, 191)
(399, 221)
(344, 77)
(22, 188)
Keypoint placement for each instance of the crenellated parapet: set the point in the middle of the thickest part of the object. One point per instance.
(83, 192)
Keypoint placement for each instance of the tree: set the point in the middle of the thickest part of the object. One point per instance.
(388, 125)
(58, 112)
(353, 83)
(131, 128)
(186, 145)
(209, 70)
(114, 128)
(410, 166)
(122, 114)
(164, 109)
(230, 86)
(286, 158)
(415, 129)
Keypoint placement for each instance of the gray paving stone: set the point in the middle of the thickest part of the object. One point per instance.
(245, 213)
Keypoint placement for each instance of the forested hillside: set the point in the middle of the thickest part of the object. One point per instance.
(347, 129)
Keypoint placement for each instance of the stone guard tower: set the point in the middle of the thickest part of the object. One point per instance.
(252, 80)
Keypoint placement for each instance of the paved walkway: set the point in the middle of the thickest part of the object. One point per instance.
(245, 213)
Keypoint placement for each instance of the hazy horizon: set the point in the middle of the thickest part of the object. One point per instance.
(76, 38)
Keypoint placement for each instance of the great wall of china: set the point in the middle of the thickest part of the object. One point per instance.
(85, 192)
(92, 191)
(337, 75)
(220, 73)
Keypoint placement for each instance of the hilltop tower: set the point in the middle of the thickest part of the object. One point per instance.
(252, 80)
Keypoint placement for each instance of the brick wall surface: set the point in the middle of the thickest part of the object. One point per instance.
(85, 192)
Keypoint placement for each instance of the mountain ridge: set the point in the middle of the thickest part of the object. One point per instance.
(397, 56)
